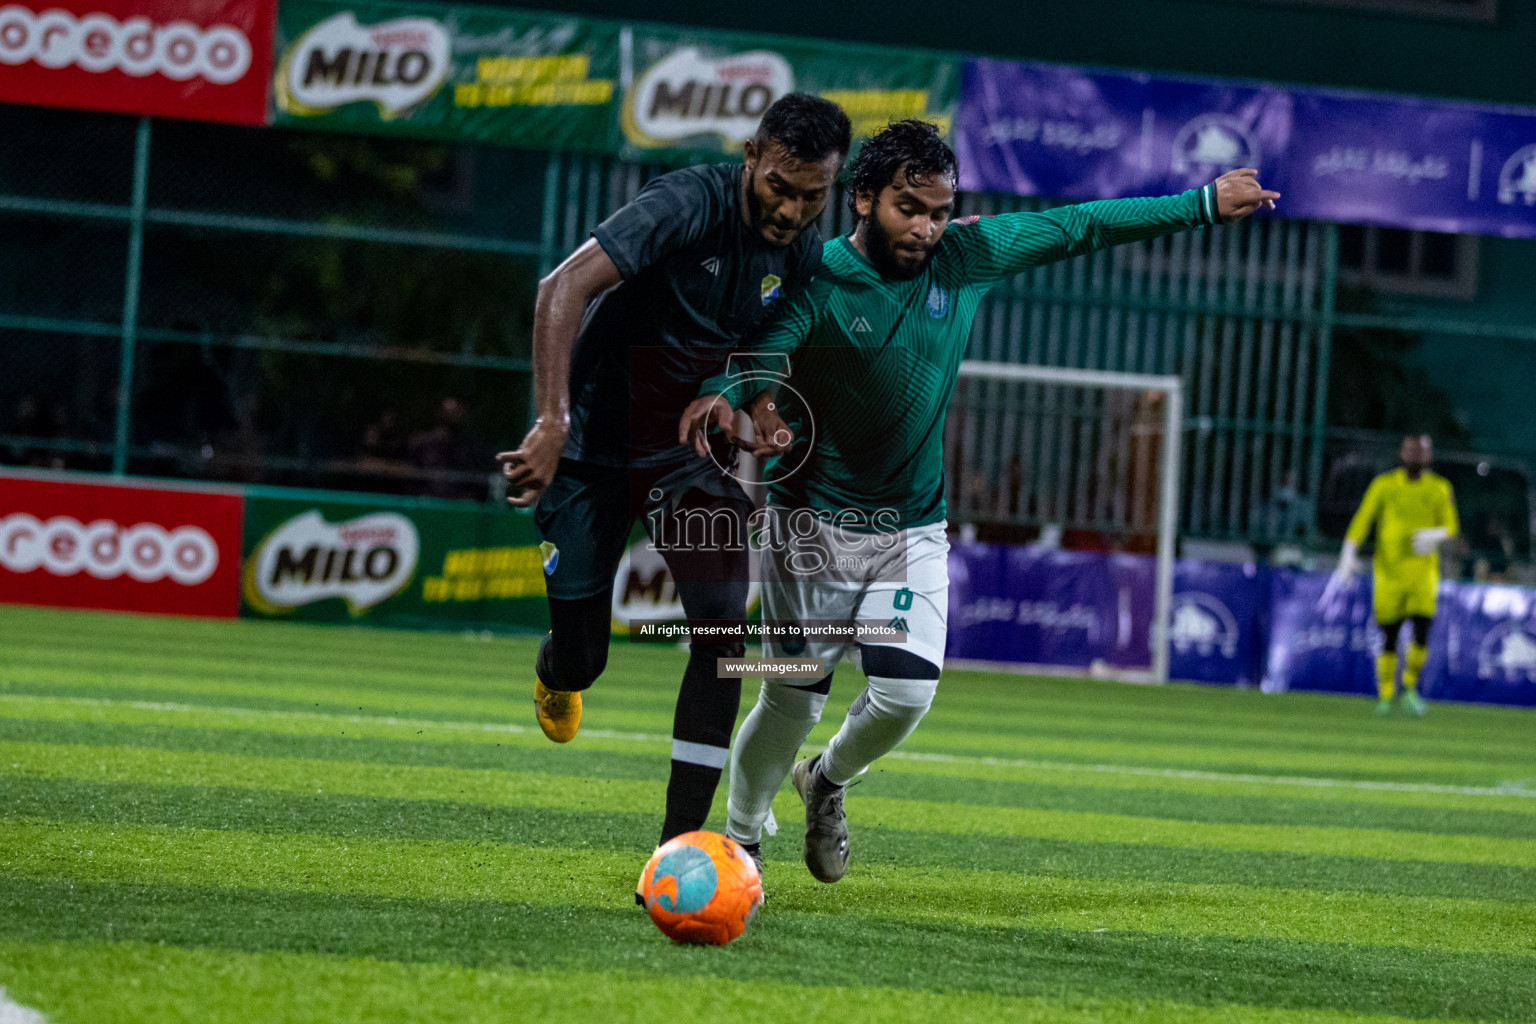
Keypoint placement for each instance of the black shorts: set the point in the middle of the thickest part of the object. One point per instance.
(588, 513)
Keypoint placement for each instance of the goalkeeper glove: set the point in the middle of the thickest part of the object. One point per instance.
(1428, 539)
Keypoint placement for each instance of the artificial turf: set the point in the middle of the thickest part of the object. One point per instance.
(243, 821)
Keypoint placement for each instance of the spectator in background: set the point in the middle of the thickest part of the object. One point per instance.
(26, 421)
(31, 420)
(383, 440)
(1493, 553)
(443, 450)
(241, 448)
(1288, 515)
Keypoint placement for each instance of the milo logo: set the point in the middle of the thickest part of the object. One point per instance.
(395, 64)
(688, 94)
(362, 561)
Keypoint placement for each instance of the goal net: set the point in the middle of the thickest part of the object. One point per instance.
(1039, 454)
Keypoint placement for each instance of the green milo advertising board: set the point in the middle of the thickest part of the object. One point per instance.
(558, 82)
(691, 92)
(468, 73)
(414, 564)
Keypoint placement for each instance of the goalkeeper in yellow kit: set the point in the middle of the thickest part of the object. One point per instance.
(1413, 512)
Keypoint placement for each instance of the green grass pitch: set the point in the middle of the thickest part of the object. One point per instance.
(241, 821)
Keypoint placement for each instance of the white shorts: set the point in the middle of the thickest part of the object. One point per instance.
(817, 574)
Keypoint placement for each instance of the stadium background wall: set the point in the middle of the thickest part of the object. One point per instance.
(72, 540)
(329, 557)
(226, 303)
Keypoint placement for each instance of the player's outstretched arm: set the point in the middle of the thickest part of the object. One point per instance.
(562, 302)
(994, 248)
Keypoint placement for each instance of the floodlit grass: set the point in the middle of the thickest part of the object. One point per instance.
(241, 821)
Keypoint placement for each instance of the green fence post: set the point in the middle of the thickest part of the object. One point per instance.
(131, 298)
(1324, 356)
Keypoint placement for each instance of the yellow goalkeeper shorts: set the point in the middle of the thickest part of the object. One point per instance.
(1398, 596)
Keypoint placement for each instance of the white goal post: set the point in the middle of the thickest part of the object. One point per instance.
(1172, 389)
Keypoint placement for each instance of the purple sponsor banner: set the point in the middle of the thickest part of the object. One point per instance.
(1213, 620)
(1314, 649)
(1042, 129)
(1231, 624)
(1483, 646)
(1030, 606)
(1214, 629)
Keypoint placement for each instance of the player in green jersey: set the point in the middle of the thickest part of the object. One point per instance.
(855, 524)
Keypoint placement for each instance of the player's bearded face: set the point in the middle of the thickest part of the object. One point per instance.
(904, 225)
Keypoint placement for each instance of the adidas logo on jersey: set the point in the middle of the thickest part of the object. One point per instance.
(860, 326)
(712, 265)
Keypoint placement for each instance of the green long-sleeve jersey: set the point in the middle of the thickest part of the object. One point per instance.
(872, 361)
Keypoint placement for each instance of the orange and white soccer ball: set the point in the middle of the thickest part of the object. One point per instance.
(701, 887)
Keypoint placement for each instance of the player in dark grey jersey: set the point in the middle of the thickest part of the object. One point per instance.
(624, 332)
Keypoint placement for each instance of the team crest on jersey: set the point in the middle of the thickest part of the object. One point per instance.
(771, 288)
(550, 555)
(938, 301)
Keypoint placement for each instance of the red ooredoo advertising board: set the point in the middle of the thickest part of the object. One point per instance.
(207, 60)
(126, 549)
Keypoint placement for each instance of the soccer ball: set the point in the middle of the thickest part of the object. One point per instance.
(701, 887)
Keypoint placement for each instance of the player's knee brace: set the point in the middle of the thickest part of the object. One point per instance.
(901, 684)
(901, 699)
(794, 703)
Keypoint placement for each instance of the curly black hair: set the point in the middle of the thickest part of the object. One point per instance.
(914, 145)
(808, 127)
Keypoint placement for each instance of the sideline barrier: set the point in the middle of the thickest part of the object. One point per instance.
(1231, 624)
(383, 561)
(81, 541)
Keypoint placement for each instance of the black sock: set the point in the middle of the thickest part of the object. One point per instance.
(701, 738)
(575, 651)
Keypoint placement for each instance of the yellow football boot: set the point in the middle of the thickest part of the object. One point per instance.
(559, 711)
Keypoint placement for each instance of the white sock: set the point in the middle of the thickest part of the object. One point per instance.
(764, 752)
(879, 719)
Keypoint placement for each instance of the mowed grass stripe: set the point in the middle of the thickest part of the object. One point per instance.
(407, 673)
(517, 710)
(536, 789)
(649, 675)
(652, 764)
(634, 835)
(854, 951)
(456, 870)
(103, 982)
(425, 734)
(1096, 704)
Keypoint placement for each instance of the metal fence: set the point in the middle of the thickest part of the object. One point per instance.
(1240, 314)
(274, 306)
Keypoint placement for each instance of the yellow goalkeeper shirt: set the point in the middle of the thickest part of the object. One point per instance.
(1397, 506)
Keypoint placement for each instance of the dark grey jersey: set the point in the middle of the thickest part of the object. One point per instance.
(697, 278)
